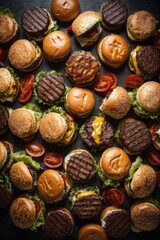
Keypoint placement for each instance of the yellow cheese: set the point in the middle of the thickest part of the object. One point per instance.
(85, 193)
(68, 134)
(11, 88)
(97, 126)
(138, 71)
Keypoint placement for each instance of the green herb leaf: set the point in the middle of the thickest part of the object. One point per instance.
(35, 109)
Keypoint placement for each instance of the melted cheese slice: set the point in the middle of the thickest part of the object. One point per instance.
(68, 135)
(97, 126)
(133, 54)
(11, 87)
(84, 193)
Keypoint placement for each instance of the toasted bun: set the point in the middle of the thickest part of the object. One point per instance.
(3, 154)
(56, 45)
(50, 186)
(65, 11)
(52, 127)
(84, 22)
(92, 231)
(115, 163)
(144, 181)
(145, 216)
(22, 212)
(113, 50)
(148, 96)
(8, 29)
(117, 104)
(5, 80)
(21, 176)
(80, 101)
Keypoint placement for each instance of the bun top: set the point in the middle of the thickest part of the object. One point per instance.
(148, 96)
(81, 101)
(56, 45)
(22, 212)
(65, 11)
(22, 53)
(3, 153)
(8, 27)
(92, 231)
(5, 80)
(115, 163)
(52, 127)
(84, 22)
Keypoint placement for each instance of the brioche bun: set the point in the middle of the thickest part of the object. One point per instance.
(92, 231)
(5, 80)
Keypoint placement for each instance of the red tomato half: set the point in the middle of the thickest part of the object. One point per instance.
(34, 149)
(115, 197)
(24, 97)
(27, 83)
(153, 158)
(53, 160)
(102, 84)
(133, 81)
(158, 178)
(113, 78)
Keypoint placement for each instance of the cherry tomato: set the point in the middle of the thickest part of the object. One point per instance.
(91, 32)
(53, 160)
(104, 194)
(133, 81)
(27, 83)
(24, 97)
(102, 84)
(38, 206)
(115, 197)
(156, 40)
(113, 78)
(153, 158)
(34, 149)
(69, 29)
(158, 178)
(2, 55)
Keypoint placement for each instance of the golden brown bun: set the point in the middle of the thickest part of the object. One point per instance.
(65, 10)
(115, 163)
(52, 127)
(148, 96)
(22, 212)
(3, 154)
(56, 46)
(8, 28)
(92, 231)
(5, 80)
(113, 50)
(141, 25)
(50, 186)
(144, 181)
(21, 176)
(80, 101)
(117, 104)
(10, 146)
(145, 216)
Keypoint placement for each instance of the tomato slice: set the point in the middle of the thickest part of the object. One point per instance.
(115, 197)
(34, 149)
(153, 158)
(104, 194)
(133, 81)
(37, 205)
(25, 97)
(27, 83)
(102, 84)
(69, 29)
(53, 160)
(158, 178)
(113, 78)
(70, 117)
(156, 40)
(91, 32)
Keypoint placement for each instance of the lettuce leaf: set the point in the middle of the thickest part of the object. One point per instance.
(135, 229)
(13, 73)
(135, 165)
(153, 201)
(81, 130)
(5, 179)
(6, 11)
(55, 27)
(117, 136)
(58, 110)
(35, 109)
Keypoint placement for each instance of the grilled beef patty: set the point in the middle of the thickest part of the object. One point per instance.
(3, 118)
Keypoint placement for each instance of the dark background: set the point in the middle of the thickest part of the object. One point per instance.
(7, 230)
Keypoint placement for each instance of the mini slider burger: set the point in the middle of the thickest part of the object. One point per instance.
(4, 116)
(146, 100)
(37, 23)
(86, 28)
(92, 231)
(25, 55)
(6, 148)
(9, 85)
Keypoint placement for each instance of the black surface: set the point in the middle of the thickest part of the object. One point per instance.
(7, 230)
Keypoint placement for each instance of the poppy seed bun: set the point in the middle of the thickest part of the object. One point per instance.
(141, 25)
(115, 163)
(148, 96)
(22, 212)
(52, 127)
(5, 80)
(65, 11)
(145, 216)
(117, 104)
(113, 50)
(56, 46)
(92, 231)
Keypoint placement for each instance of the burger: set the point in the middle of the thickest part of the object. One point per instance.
(113, 50)
(116, 104)
(6, 148)
(25, 55)
(37, 23)
(4, 116)
(82, 68)
(86, 28)
(134, 136)
(65, 11)
(9, 85)
(49, 88)
(97, 133)
(92, 231)
(116, 222)
(145, 216)
(79, 164)
(79, 102)
(53, 186)
(155, 132)
(58, 127)
(141, 25)
(27, 212)
(24, 122)
(141, 180)
(146, 100)
(144, 61)
(56, 46)
(114, 165)
(114, 14)
(56, 220)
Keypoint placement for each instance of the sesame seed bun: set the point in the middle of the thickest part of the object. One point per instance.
(92, 231)
(5, 80)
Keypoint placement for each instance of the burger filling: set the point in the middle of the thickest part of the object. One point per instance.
(133, 61)
(71, 131)
(65, 189)
(97, 129)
